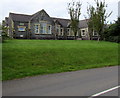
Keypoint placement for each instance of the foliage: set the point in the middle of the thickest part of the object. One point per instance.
(74, 10)
(0, 26)
(90, 12)
(4, 31)
(98, 18)
(112, 33)
(36, 57)
(0, 32)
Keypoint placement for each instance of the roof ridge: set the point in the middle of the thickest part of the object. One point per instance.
(68, 19)
(60, 18)
(50, 17)
(19, 14)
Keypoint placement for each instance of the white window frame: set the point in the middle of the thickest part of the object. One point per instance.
(58, 29)
(61, 33)
(77, 33)
(44, 28)
(68, 31)
(94, 33)
(83, 33)
(50, 29)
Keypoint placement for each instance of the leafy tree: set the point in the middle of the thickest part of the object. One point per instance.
(90, 12)
(4, 31)
(74, 9)
(112, 33)
(118, 27)
(0, 32)
(98, 18)
(0, 26)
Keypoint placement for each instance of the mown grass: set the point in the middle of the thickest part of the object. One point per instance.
(23, 58)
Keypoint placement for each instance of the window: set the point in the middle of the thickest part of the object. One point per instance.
(21, 28)
(58, 29)
(77, 33)
(43, 28)
(49, 29)
(83, 33)
(37, 28)
(68, 31)
(61, 31)
(95, 33)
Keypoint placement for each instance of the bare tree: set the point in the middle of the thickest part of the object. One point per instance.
(74, 9)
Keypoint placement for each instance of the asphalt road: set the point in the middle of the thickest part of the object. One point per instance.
(78, 83)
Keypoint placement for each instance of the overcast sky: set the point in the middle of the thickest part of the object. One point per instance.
(55, 8)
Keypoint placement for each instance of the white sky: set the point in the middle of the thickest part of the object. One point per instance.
(55, 8)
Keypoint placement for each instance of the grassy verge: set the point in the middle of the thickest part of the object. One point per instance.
(23, 58)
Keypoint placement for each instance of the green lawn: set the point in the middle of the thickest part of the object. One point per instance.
(23, 58)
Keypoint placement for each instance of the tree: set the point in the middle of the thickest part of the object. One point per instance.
(0, 26)
(4, 31)
(112, 33)
(0, 32)
(98, 17)
(118, 27)
(74, 9)
(90, 12)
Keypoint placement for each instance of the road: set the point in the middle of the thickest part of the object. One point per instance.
(78, 83)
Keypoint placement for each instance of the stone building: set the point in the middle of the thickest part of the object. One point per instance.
(41, 26)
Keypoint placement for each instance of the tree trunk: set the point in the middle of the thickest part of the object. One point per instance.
(98, 38)
(75, 37)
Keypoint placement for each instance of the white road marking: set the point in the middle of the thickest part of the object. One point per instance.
(103, 92)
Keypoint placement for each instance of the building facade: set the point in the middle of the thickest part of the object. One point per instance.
(41, 26)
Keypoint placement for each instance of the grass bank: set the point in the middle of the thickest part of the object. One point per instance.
(23, 58)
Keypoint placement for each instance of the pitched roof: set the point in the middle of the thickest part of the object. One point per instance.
(83, 23)
(20, 17)
(35, 14)
(63, 22)
(66, 22)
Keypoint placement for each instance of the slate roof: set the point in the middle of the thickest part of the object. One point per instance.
(20, 17)
(63, 22)
(35, 14)
(83, 23)
(66, 22)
